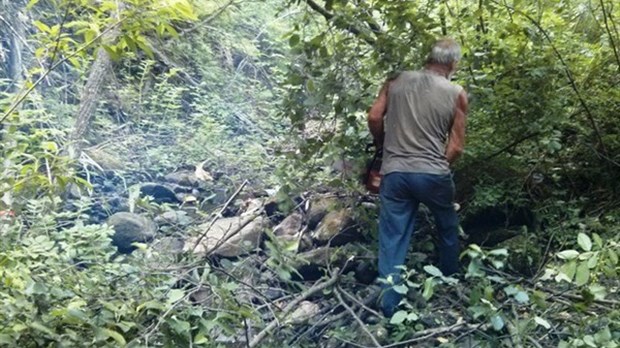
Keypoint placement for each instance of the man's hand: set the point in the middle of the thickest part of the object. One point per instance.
(376, 113)
(456, 142)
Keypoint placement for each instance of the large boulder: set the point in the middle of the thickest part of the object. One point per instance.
(160, 193)
(225, 239)
(290, 226)
(336, 228)
(318, 209)
(130, 228)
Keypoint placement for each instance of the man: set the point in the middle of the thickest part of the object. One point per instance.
(419, 119)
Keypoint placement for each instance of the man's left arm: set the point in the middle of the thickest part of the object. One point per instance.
(376, 113)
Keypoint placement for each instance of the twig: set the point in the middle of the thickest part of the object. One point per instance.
(218, 215)
(286, 311)
(260, 294)
(359, 303)
(425, 334)
(357, 319)
(514, 333)
(211, 17)
(611, 38)
(534, 342)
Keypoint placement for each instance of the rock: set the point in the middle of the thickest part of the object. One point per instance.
(177, 217)
(247, 239)
(183, 178)
(310, 264)
(130, 228)
(336, 228)
(305, 311)
(290, 226)
(251, 206)
(318, 209)
(169, 246)
(160, 193)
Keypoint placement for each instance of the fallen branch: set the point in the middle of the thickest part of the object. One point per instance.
(357, 319)
(318, 287)
(429, 333)
(219, 214)
(359, 303)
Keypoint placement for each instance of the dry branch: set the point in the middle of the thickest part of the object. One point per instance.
(291, 306)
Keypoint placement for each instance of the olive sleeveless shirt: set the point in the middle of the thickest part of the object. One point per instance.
(417, 123)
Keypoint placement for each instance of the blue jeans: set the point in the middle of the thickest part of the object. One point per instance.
(401, 195)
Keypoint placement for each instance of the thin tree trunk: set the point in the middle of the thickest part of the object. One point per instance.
(90, 94)
(15, 31)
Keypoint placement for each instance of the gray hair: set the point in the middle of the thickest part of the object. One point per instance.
(445, 51)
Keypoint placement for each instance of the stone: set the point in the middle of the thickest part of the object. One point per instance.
(310, 264)
(160, 193)
(130, 228)
(318, 209)
(251, 206)
(183, 178)
(290, 226)
(336, 228)
(174, 217)
(217, 241)
(305, 311)
(169, 245)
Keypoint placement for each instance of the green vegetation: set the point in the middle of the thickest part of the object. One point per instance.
(270, 97)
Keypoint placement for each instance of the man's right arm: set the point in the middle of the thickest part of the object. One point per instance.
(456, 142)
(376, 113)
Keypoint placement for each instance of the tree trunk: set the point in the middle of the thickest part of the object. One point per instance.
(14, 29)
(90, 94)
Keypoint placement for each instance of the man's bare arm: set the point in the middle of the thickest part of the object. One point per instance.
(456, 142)
(376, 113)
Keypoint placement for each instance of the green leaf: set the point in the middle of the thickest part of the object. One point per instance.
(613, 256)
(522, 297)
(589, 341)
(568, 254)
(603, 336)
(42, 26)
(175, 295)
(401, 289)
(293, 40)
(498, 322)
(398, 317)
(429, 285)
(542, 322)
(584, 241)
(583, 274)
(499, 252)
(598, 291)
(568, 270)
(432, 270)
(49, 146)
(40, 327)
(31, 4)
(200, 339)
(104, 334)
